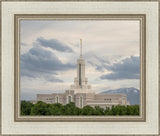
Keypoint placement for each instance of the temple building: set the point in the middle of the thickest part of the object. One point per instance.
(81, 93)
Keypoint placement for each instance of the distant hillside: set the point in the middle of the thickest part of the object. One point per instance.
(133, 94)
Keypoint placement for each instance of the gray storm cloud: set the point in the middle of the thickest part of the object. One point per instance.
(128, 68)
(39, 62)
(54, 44)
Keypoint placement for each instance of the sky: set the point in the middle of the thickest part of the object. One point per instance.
(50, 49)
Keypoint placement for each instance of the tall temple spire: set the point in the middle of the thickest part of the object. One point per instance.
(81, 48)
(81, 82)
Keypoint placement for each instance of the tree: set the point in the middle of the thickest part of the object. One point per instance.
(71, 109)
(99, 110)
(26, 107)
(55, 109)
(40, 108)
(136, 110)
(88, 110)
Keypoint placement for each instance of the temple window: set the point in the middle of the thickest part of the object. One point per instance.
(81, 102)
(69, 99)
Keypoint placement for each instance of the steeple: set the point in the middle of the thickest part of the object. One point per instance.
(81, 82)
(81, 48)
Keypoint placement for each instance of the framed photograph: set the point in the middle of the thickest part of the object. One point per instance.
(80, 68)
(115, 101)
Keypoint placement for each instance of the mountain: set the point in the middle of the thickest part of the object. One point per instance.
(133, 94)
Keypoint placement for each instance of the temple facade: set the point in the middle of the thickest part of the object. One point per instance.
(81, 94)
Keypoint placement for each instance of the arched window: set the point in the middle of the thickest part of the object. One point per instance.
(81, 102)
(69, 99)
(57, 99)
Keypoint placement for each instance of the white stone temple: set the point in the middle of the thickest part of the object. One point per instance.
(81, 94)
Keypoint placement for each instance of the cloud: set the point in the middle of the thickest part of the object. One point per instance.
(23, 44)
(54, 44)
(128, 68)
(41, 63)
(100, 62)
(98, 67)
(50, 78)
